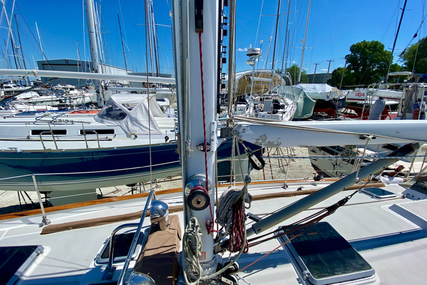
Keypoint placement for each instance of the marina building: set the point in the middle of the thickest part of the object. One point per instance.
(77, 66)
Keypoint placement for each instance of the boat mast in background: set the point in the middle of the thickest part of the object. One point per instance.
(40, 41)
(93, 49)
(275, 41)
(285, 50)
(9, 27)
(123, 47)
(27, 80)
(394, 43)
(303, 42)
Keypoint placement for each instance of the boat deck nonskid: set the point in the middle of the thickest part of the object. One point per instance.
(385, 238)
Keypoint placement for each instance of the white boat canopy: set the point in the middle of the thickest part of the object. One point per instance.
(320, 91)
(133, 112)
(262, 81)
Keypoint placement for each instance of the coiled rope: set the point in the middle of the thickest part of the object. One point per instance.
(231, 215)
(193, 247)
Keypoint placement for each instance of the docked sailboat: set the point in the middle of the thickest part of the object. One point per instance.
(129, 140)
(258, 99)
(360, 100)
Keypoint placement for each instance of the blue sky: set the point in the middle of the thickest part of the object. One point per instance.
(334, 25)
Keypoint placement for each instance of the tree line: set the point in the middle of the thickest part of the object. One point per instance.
(368, 62)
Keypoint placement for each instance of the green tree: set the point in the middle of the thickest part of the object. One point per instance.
(417, 52)
(347, 80)
(368, 62)
(294, 71)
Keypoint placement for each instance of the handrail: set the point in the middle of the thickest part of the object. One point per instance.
(53, 136)
(135, 240)
(56, 144)
(95, 132)
(47, 132)
(109, 268)
(84, 134)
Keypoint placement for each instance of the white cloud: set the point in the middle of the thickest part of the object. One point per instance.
(242, 49)
(324, 69)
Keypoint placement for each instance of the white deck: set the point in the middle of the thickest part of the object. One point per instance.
(390, 234)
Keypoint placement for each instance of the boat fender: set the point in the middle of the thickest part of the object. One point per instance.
(133, 136)
(198, 199)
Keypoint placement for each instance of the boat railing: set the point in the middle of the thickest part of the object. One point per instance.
(47, 133)
(91, 131)
(135, 239)
(57, 139)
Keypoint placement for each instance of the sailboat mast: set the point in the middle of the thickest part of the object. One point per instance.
(155, 39)
(148, 29)
(231, 75)
(9, 26)
(93, 46)
(304, 40)
(195, 33)
(286, 36)
(40, 41)
(395, 39)
(27, 81)
(123, 47)
(20, 43)
(92, 36)
(275, 40)
(79, 61)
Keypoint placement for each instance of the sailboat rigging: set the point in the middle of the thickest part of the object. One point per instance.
(303, 42)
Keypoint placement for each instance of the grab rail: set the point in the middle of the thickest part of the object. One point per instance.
(55, 140)
(135, 240)
(53, 137)
(110, 268)
(90, 131)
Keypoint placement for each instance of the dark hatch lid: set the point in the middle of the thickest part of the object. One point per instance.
(14, 260)
(325, 257)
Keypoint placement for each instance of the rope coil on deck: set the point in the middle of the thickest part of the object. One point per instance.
(193, 247)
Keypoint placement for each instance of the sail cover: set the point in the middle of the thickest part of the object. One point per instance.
(133, 112)
(319, 91)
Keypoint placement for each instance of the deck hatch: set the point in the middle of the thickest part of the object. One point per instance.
(323, 256)
(420, 186)
(378, 193)
(14, 260)
(122, 243)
